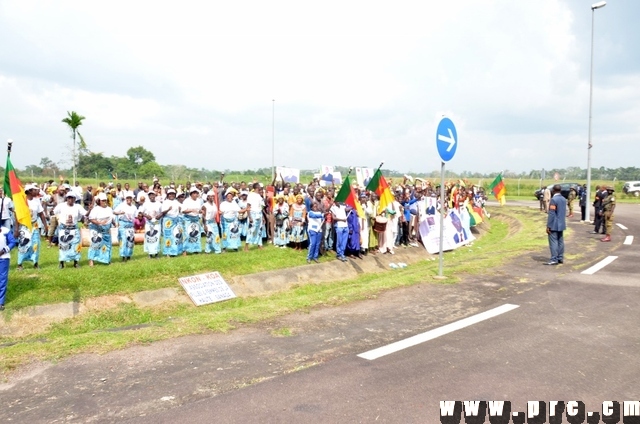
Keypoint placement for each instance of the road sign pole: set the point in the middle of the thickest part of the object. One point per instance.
(442, 200)
(447, 144)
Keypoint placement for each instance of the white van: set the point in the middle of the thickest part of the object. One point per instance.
(632, 187)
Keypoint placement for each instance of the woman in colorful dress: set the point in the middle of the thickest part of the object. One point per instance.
(230, 226)
(364, 223)
(152, 211)
(316, 218)
(256, 230)
(101, 219)
(172, 230)
(69, 242)
(298, 214)
(281, 213)
(126, 214)
(29, 239)
(191, 208)
(243, 218)
(209, 214)
(371, 211)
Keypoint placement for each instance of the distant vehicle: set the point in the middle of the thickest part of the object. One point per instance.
(632, 188)
(564, 191)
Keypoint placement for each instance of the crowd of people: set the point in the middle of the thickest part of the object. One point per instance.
(171, 220)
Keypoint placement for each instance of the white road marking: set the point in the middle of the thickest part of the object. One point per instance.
(622, 226)
(436, 332)
(628, 240)
(597, 267)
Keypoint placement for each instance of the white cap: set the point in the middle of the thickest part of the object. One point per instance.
(171, 190)
(101, 196)
(31, 186)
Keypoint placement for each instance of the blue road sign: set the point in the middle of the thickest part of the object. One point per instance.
(446, 139)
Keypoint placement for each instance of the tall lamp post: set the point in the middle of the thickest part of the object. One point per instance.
(273, 139)
(587, 214)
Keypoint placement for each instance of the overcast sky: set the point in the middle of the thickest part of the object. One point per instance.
(354, 83)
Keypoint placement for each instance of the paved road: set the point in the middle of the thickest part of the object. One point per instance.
(574, 338)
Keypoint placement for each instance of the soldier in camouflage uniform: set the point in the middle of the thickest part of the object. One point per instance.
(572, 197)
(608, 206)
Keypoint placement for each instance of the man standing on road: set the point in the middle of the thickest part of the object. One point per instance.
(608, 206)
(583, 203)
(597, 205)
(556, 224)
(546, 198)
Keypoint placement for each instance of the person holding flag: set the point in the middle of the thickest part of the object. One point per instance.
(346, 196)
(24, 217)
(379, 186)
(498, 189)
(7, 242)
(29, 236)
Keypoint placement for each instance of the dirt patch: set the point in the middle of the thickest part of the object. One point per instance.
(101, 303)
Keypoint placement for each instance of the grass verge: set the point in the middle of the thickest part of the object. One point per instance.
(513, 231)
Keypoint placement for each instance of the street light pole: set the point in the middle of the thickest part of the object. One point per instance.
(587, 215)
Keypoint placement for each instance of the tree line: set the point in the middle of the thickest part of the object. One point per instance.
(140, 163)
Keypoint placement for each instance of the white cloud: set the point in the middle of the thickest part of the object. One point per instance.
(352, 82)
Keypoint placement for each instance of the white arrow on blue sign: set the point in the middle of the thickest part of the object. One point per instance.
(446, 139)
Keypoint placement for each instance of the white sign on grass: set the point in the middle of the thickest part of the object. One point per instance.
(206, 288)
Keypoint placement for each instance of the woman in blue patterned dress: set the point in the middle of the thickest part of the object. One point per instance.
(126, 214)
(171, 225)
(69, 242)
(243, 218)
(101, 218)
(191, 208)
(256, 228)
(29, 239)
(209, 215)
(298, 216)
(281, 214)
(229, 210)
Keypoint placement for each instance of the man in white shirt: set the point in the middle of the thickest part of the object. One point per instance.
(339, 217)
(6, 211)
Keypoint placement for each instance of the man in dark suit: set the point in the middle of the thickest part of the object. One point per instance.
(556, 224)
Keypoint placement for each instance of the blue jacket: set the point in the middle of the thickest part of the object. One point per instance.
(556, 218)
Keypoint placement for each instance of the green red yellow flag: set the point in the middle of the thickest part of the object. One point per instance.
(498, 189)
(15, 190)
(475, 215)
(347, 195)
(379, 186)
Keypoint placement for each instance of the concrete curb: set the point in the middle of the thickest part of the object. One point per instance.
(36, 318)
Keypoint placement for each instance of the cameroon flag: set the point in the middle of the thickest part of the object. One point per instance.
(498, 189)
(475, 216)
(15, 190)
(348, 196)
(379, 186)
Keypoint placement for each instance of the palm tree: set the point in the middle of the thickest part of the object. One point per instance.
(73, 120)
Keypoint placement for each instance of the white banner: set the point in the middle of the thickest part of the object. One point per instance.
(457, 231)
(206, 288)
(289, 175)
(326, 175)
(363, 176)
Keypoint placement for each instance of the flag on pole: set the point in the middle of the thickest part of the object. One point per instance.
(348, 196)
(498, 189)
(15, 190)
(379, 186)
(475, 215)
